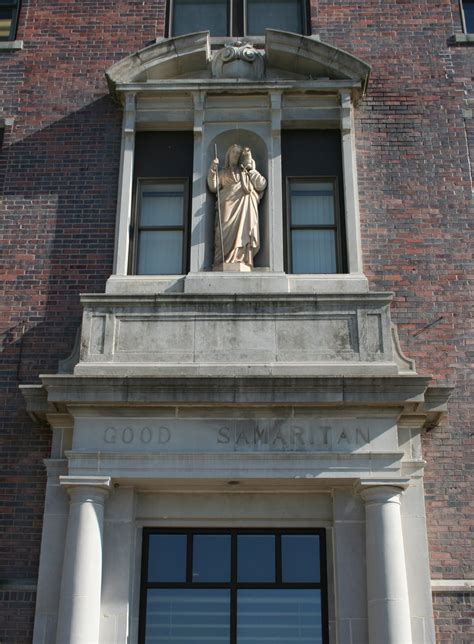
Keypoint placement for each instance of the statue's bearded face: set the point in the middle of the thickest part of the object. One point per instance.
(234, 154)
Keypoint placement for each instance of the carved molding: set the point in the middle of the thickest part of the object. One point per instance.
(238, 60)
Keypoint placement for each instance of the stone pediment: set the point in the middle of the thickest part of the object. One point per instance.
(284, 56)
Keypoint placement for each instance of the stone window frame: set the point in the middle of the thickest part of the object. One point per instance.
(233, 585)
(163, 66)
(237, 19)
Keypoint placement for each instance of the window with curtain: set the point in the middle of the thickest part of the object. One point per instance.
(237, 17)
(233, 587)
(163, 168)
(313, 224)
(161, 227)
(9, 10)
(314, 201)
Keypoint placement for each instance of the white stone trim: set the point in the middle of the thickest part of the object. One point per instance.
(11, 45)
(100, 482)
(80, 595)
(387, 586)
(351, 189)
(125, 188)
(452, 585)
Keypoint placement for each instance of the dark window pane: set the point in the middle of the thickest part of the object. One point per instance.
(277, 14)
(255, 558)
(167, 557)
(469, 16)
(300, 558)
(162, 205)
(188, 616)
(279, 616)
(6, 20)
(160, 252)
(211, 558)
(312, 203)
(207, 15)
(313, 251)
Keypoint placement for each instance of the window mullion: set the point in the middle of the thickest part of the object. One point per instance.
(233, 588)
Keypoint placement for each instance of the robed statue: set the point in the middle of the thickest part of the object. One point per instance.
(239, 187)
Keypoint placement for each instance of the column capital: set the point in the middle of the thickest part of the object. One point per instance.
(382, 490)
(92, 488)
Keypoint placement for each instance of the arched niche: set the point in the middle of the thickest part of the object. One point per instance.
(244, 138)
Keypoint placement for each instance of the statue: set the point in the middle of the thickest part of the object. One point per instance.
(240, 188)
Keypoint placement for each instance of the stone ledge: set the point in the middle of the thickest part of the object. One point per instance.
(11, 45)
(452, 585)
(462, 39)
(313, 391)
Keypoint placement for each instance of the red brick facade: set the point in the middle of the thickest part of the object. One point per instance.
(58, 173)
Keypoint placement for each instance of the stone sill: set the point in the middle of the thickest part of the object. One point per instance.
(257, 282)
(462, 39)
(11, 45)
(452, 585)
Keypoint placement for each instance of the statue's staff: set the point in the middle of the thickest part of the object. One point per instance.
(219, 203)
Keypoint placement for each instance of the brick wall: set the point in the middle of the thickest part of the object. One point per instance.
(59, 171)
(17, 616)
(454, 616)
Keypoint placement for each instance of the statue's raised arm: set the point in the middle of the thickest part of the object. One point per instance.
(240, 188)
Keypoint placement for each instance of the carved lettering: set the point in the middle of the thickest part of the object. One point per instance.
(164, 435)
(293, 438)
(297, 436)
(279, 437)
(326, 431)
(242, 437)
(260, 436)
(110, 435)
(343, 437)
(224, 435)
(128, 435)
(146, 435)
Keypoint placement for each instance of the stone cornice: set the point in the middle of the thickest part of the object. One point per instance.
(185, 61)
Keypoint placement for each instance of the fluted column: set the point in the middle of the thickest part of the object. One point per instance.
(79, 606)
(387, 589)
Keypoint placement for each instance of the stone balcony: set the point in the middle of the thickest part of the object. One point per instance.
(171, 335)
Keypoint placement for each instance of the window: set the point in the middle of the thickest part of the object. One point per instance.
(313, 217)
(163, 168)
(314, 201)
(233, 587)
(237, 17)
(9, 10)
(467, 7)
(161, 227)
